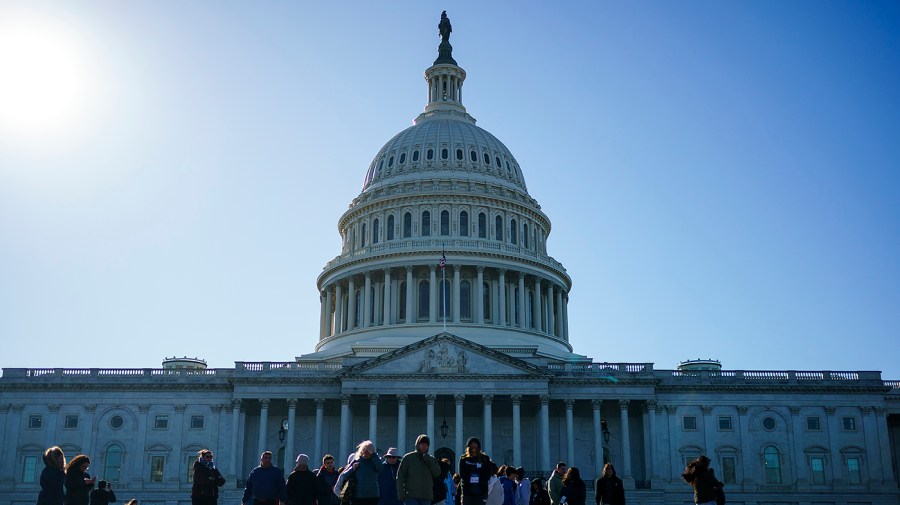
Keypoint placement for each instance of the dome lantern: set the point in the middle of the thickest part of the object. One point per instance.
(445, 79)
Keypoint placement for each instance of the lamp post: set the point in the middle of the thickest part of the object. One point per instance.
(282, 430)
(604, 429)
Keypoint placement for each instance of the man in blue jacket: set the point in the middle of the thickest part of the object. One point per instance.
(265, 483)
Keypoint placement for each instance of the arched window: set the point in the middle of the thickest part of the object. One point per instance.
(402, 158)
(524, 233)
(416, 155)
(772, 463)
(464, 224)
(357, 318)
(514, 317)
(444, 298)
(407, 224)
(445, 153)
(424, 299)
(473, 156)
(402, 303)
(487, 159)
(465, 300)
(363, 235)
(529, 315)
(112, 463)
(372, 316)
(459, 154)
(390, 227)
(426, 224)
(445, 222)
(482, 225)
(375, 231)
(498, 231)
(486, 301)
(513, 231)
(430, 154)
(390, 164)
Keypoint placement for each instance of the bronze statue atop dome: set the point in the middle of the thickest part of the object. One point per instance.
(445, 50)
(444, 28)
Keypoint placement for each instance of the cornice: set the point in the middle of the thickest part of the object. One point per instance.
(776, 388)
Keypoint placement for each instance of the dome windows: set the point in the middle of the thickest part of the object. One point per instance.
(415, 156)
(487, 159)
(426, 224)
(482, 225)
(459, 154)
(513, 232)
(390, 162)
(402, 158)
(375, 231)
(407, 224)
(473, 156)
(429, 155)
(498, 228)
(497, 159)
(463, 224)
(390, 227)
(445, 222)
(445, 153)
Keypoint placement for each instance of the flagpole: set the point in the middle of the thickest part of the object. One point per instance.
(444, 285)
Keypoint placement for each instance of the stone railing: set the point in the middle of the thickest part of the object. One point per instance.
(892, 384)
(115, 373)
(600, 368)
(785, 377)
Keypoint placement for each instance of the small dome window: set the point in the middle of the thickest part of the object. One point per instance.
(445, 153)
(415, 156)
(390, 162)
(430, 154)
(402, 158)
(459, 154)
(381, 164)
(473, 156)
(497, 159)
(487, 159)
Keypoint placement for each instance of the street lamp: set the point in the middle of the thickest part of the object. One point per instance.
(282, 430)
(604, 429)
(444, 429)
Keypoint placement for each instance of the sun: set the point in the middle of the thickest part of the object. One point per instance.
(46, 82)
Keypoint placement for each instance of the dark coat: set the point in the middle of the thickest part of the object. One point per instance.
(387, 485)
(77, 492)
(102, 496)
(53, 481)
(610, 491)
(302, 488)
(326, 481)
(475, 468)
(207, 481)
(705, 485)
(575, 493)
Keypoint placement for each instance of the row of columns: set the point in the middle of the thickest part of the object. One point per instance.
(338, 312)
(445, 87)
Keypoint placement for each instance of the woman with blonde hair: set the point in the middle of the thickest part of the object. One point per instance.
(53, 477)
(609, 489)
(363, 467)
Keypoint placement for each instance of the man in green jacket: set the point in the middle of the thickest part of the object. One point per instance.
(416, 474)
(555, 484)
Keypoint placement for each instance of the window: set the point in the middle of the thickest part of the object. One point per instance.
(768, 423)
(817, 469)
(190, 466)
(426, 224)
(465, 297)
(813, 424)
(390, 228)
(464, 224)
(29, 468)
(161, 422)
(424, 299)
(415, 156)
(486, 298)
(157, 468)
(71, 422)
(854, 476)
(524, 234)
(497, 160)
(473, 156)
(772, 464)
(689, 423)
(197, 422)
(116, 422)
(849, 424)
(430, 154)
(725, 423)
(445, 222)
(487, 159)
(363, 235)
(113, 463)
(729, 470)
(459, 154)
(35, 421)
(498, 228)
(390, 162)
(359, 307)
(445, 153)
(513, 231)
(407, 225)
(402, 301)
(482, 225)
(375, 226)
(402, 158)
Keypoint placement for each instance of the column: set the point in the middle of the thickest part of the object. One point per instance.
(410, 316)
(378, 310)
(551, 319)
(708, 427)
(367, 302)
(458, 446)
(429, 416)
(351, 306)
(559, 309)
(10, 439)
(488, 439)
(387, 298)
(517, 429)
(674, 465)
(834, 444)
(235, 431)
(432, 296)
(320, 424)
(373, 419)
(479, 296)
(626, 440)
(545, 434)
(141, 445)
(873, 451)
(339, 308)
(401, 423)
(884, 442)
(793, 434)
(263, 423)
(322, 315)
(456, 269)
(328, 313)
(345, 426)
(653, 461)
(570, 433)
(598, 437)
(502, 292)
(521, 312)
(289, 439)
(565, 307)
(743, 431)
(536, 306)
(51, 424)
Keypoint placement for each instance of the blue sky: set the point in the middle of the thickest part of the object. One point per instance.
(723, 178)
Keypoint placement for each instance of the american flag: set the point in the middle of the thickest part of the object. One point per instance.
(443, 261)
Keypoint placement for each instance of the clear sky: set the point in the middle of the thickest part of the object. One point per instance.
(723, 177)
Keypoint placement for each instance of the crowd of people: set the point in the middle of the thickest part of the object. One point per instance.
(415, 478)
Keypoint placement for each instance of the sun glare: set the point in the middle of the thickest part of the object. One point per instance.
(45, 80)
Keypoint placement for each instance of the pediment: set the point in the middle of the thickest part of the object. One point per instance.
(445, 354)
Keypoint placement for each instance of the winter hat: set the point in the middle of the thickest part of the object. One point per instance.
(392, 451)
(473, 439)
(423, 438)
(302, 459)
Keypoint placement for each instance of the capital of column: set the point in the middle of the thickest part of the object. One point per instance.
(623, 404)
(432, 268)
(53, 407)
(457, 268)
(429, 399)
(387, 271)
(479, 268)
(880, 411)
(743, 409)
(597, 404)
(516, 399)
(292, 403)
(180, 407)
(409, 269)
(236, 403)
(671, 409)
(19, 407)
(570, 404)
(402, 399)
(345, 399)
(545, 399)
(794, 410)
(459, 398)
(320, 403)
(652, 405)
(373, 398)
(830, 410)
(487, 399)
(501, 271)
(264, 402)
(144, 408)
(216, 408)
(706, 409)
(866, 410)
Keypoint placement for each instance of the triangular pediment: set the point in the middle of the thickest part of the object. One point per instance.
(445, 354)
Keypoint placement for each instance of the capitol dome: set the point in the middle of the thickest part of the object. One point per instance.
(444, 237)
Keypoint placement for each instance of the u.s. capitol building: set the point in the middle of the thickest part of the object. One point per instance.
(478, 346)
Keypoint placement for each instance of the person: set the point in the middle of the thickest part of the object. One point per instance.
(495, 493)
(363, 466)
(207, 480)
(326, 478)
(523, 487)
(574, 491)
(538, 495)
(302, 485)
(474, 473)
(555, 484)
(53, 478)
(387, 479)
(78, 482)
(103, 495)
(444, 487)
(265, 484)
(457, 490)
(703, 480)
(415, 477)
(507, 476)
(609, 489)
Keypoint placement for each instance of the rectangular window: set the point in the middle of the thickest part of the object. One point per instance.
(161, 422)
(813, 424)
(29, 469)
(728, 469)
(853, 474)
(35, 421)
(725, 423)
(817, 466)
(197, 422)
(71, 422)
(849, 424)
(689, 423)
(157, 468)
(190, 467)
